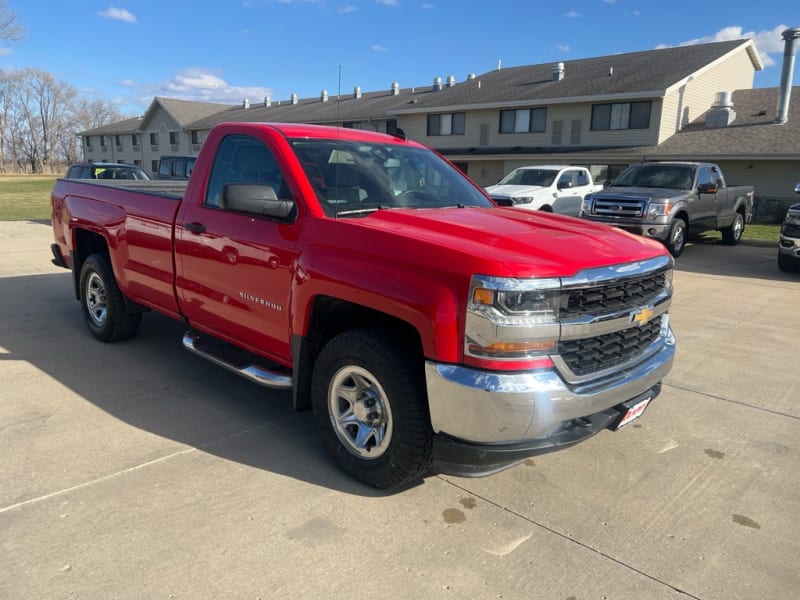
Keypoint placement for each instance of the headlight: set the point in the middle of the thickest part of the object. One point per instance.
(793, 216)
(512, 318)
(586, 205)
(522, 200)
(657, 209)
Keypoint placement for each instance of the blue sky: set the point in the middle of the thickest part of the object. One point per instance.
(129, 51)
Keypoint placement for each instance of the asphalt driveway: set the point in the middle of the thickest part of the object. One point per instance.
(137, 470)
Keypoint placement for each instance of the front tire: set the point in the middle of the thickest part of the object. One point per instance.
(788, 264)
(676, 241)
(102, 304)
(732, 234)
(370, 406)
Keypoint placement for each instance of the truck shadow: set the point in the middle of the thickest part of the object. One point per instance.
(153, 384)
(756, 260)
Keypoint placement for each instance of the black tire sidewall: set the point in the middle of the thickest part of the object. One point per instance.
(677, 224)
(409, 453)
(118, 324)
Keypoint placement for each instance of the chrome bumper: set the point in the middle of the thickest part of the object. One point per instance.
(489, 407)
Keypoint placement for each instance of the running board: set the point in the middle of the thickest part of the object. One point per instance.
(237, 360)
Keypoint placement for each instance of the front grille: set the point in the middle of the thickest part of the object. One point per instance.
(619, 207)
(503, 200)
(595, 354)
(614, 296)
(791, 230)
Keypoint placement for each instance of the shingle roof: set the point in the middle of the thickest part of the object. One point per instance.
(647, 72)
(753, 133)
(126, 126)
(337, 109)
(185, 112)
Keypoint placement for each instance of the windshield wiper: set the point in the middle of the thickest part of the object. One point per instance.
(360, 211)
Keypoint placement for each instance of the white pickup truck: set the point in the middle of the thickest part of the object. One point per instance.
(552, 188)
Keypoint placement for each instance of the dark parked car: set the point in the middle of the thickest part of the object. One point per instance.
(175, 167)
(100, 170)
(789, 246)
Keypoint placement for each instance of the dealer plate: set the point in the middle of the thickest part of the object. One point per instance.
(634, 412)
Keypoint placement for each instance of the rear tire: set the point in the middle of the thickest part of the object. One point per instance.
(371, 409)
(732, 234)
(676, 241)
(103, 305)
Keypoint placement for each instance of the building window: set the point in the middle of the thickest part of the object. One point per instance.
(102, 141)
(88, 141)
(137, 162)
(527, 120)
(154, 138)
(153, 165)
(446, 124)
(135, 139)
(622, 115)
(195, 136)
(118, 140)
(174, 138)
(349, 125)
(391, 126)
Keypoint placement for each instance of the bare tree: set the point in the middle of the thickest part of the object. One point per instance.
(40, 118)
(10, 29)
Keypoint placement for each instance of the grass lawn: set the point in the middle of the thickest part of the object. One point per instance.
(25, 197)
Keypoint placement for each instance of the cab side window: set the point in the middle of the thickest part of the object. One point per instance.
(243, 159)
(704, 176)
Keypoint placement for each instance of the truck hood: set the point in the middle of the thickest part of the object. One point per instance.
(497, 241)
(514, 191)
(638, 193)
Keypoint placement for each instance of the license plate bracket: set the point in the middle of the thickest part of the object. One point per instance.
(633, 410)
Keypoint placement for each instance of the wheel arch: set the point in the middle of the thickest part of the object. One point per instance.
(328, 317)
(85, 243)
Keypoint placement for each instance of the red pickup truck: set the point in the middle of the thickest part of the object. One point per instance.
(428, 329)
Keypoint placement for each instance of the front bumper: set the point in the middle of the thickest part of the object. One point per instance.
(485, 421)
(656, 231)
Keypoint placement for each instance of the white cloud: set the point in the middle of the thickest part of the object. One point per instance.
(118, 14)
(127, 82)
(6, 51)
(767, 41)
(573, 14)
(427, 5)
(203, 85)
(348, 8)
(387, 2)
(379, 48)
(562, 48)
(610, 1)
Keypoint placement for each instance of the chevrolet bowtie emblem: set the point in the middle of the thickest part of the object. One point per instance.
(642, 316)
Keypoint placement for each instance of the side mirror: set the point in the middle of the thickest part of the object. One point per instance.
(606, 183)
(564, 185)
(797, 188)
(257, 199)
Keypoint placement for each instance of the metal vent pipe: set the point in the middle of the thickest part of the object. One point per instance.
(787, 72)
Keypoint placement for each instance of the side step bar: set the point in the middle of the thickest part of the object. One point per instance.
(237, 360)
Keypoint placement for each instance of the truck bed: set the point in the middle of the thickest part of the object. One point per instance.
(170, 188)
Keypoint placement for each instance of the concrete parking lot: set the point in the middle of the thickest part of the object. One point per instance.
(137, 470)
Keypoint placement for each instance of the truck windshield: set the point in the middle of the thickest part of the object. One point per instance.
(674, 177)
(356, 178)
(540, 177)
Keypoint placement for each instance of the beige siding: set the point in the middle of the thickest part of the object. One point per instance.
(415, 127)
(695, 97)
(771, 179)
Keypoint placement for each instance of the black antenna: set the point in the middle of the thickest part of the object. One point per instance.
(339, 99)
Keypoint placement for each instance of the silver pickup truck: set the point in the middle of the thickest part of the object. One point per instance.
(668, 201)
